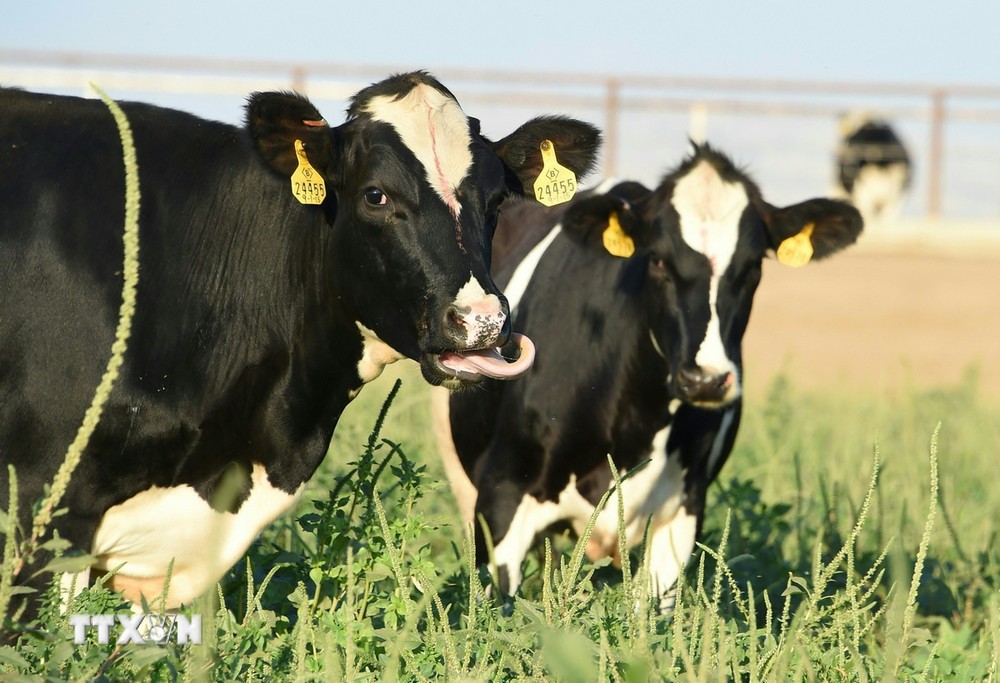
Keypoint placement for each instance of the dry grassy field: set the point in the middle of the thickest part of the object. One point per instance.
(893, 312)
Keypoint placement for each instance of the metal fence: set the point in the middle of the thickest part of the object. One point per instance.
(784, 132)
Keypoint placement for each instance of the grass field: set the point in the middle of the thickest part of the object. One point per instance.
(850, 538)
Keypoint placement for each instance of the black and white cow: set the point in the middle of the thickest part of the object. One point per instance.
(258, 317)
(874, 170)
(637, 301)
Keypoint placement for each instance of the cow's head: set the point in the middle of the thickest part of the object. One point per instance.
(694, 247)
(414, 190)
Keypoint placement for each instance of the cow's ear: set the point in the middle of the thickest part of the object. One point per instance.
(576, 146)
(276, 120)
(607, 225)
(811, 230)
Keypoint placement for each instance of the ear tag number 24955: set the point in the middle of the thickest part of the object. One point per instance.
(556, 184)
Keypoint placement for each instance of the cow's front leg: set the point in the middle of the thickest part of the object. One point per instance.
(514, 518)
(670, 548)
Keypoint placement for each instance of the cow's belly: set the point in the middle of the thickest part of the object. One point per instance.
(160, 525)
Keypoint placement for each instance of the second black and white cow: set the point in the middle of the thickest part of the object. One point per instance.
(637, 301)
(258, 318)
(874, 170)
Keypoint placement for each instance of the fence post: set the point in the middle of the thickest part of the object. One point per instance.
(299, 79)
(612, 107)
(935, 161)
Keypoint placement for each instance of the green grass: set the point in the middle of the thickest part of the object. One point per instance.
(849, 538)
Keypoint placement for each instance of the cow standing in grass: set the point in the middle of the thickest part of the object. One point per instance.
(637, 300)
(259, 316)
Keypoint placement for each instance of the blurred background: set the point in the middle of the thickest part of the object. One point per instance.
(773, 84)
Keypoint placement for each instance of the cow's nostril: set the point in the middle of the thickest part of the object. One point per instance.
(454, 319)
(455, 327)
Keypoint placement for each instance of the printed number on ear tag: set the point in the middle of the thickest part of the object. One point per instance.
(615, 240)
(308, 185)
(797, 250)
(556, 184)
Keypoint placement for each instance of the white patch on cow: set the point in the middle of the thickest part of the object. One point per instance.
(656, 493)
(720, 438)
(375, 355)
(70, 586)
(481, 314)
(879, 191)
(434, 127)
(518, 285)
(656, 345)
(531, 517)
(710, 209)
(160, 525)
(461, 486)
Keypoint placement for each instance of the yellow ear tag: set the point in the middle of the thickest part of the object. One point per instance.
(308, 185)
(556, 184)
(797, 250)
(615, 240)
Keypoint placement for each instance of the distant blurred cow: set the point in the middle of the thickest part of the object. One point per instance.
(873, 167)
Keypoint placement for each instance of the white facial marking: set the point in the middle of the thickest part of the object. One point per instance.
(158, 525)
(436, 130)
(710, 209)
(375, 355)
(518, 284)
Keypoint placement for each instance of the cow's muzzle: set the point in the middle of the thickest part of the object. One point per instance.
(707, 388)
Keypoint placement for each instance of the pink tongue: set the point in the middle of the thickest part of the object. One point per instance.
(490, 363)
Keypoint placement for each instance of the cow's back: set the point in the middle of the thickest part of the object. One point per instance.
(213, 294)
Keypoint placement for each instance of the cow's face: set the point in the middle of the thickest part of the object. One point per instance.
(700, 239)
(416, 190)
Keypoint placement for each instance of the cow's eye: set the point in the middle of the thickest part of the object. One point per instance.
(658, 266)
(375, 197)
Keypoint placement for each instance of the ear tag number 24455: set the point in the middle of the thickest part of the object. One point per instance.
(556, 184)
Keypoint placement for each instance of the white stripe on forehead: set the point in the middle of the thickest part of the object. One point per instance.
(436, 130)
(710, 209)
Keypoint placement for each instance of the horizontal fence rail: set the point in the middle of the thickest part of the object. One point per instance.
(953, 131)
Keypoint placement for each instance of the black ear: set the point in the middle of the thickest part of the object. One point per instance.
(827, 225)
(607, 224)
(276, 120)
(576, 146)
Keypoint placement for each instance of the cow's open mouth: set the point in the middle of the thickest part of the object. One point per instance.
(475, 365)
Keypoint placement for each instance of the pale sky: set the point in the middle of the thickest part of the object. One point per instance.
(883, 42)
(888, 40)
